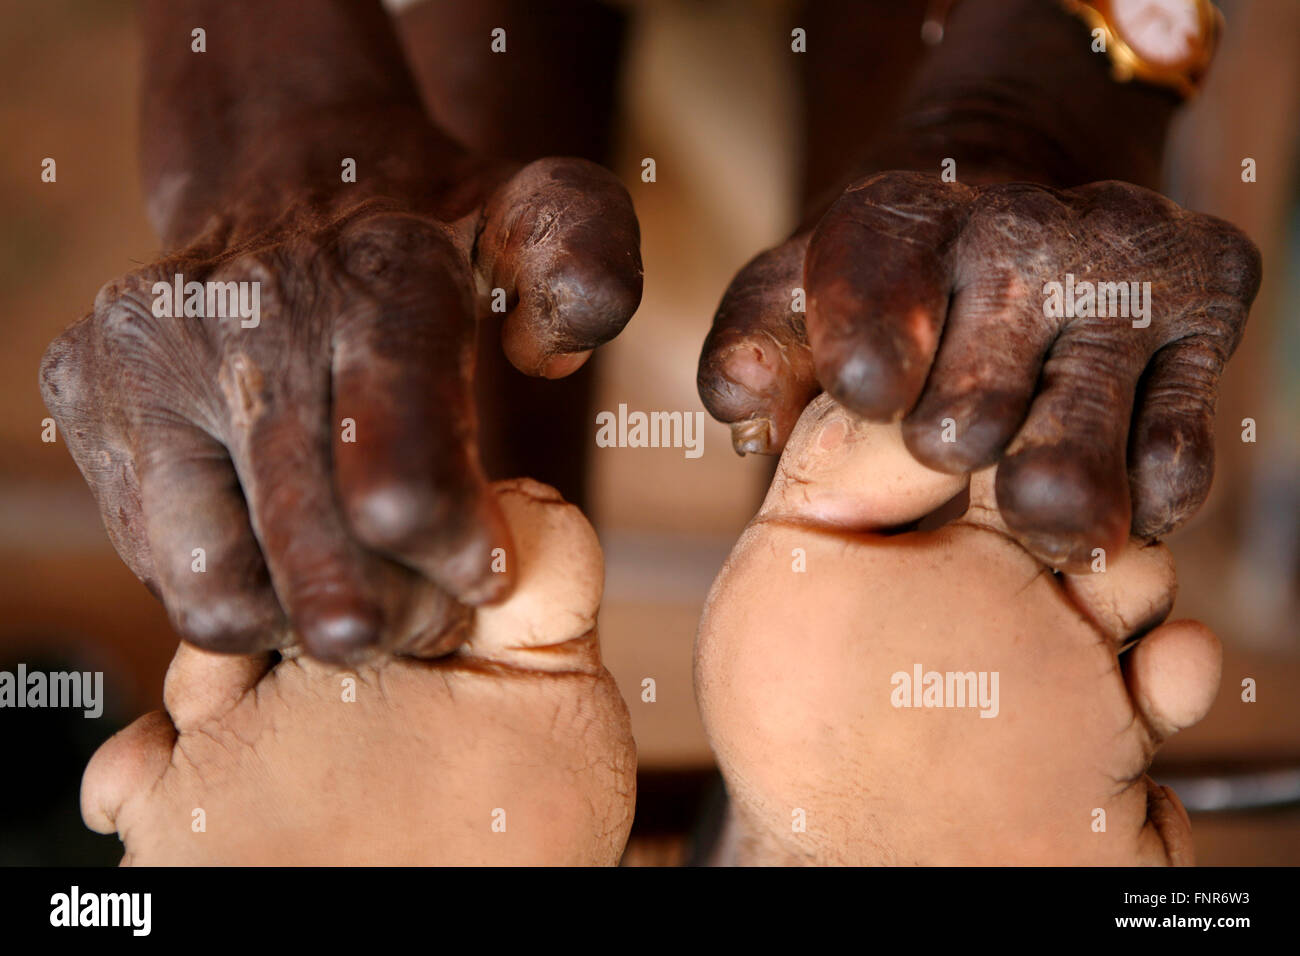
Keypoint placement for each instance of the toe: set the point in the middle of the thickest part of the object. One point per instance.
(841, 470)
(548, 622)
(1173, 676)
(126, 765)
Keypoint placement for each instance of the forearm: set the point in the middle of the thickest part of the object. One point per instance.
(1014, 92)
(863, 56)
(285, 90)
(552, 93)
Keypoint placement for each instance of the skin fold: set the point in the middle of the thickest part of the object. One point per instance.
(794, 675)
(522, 720)
(554, 94)
(199, 433)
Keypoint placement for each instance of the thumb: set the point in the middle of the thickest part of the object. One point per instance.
(755, 370)
(561, 238)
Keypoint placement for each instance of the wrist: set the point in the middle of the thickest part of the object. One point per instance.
(316, 167)
(1015, 92)
(268, 106)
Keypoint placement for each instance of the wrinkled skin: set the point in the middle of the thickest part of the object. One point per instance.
(925, 303)
(794, 675)
(522, 719)
(199, 433)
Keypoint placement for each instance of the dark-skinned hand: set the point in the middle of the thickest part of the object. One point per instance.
(201, 433)
(925, 303)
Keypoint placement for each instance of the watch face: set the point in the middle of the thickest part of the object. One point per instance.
(1164, 32)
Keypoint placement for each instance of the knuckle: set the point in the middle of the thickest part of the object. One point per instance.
(764, 284)
(1019, 221)
(391, 247)
(62, 376)
(120, 300)
(564, 170)
(133, 288)
(1236, 262)
(895, 188)
(110, 292)
(1122, 207)
(552, 192)
(124, 307)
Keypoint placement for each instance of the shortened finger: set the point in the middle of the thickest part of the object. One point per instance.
(561, 239)
(756, 370)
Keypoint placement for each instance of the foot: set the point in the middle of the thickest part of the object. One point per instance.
(831, 605)
(515, 750)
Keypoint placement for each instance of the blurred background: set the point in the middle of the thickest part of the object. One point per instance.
(709, 89)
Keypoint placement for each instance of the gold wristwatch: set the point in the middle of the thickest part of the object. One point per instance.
(1166, 42)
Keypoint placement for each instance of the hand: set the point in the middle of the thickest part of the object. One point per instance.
(1041, 761)
(325, 459)
(926, 304)
(515, 751)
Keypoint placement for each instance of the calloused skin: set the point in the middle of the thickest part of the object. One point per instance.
(794, 675)
(522, 728)
(325, 461)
